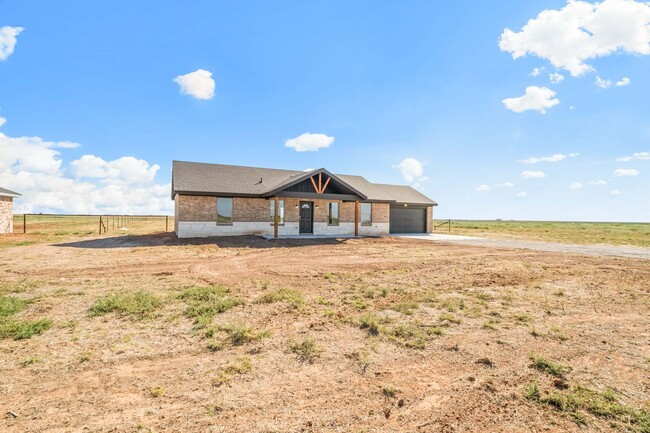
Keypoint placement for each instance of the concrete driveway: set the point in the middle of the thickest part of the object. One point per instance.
(556, 247)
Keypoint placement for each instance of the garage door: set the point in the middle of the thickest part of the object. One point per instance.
(408, 220)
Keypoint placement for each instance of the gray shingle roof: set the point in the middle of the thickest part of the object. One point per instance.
(214, 179)
(8, 193)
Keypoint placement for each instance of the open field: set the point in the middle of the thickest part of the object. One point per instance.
(148, 333)
(571, 232)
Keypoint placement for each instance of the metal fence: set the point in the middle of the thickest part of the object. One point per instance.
(58, 224)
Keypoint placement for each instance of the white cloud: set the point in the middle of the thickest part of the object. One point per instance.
(198, 84)
(615, 192)
(598, 182)
(555, 77)
(553, 158)
(309, 142)
(505, 185)
(8, 40)
(522, 194)
(535, 98)
(603, 84)
(532, 174)
(582, 31)
(483, 188)
(124, 170)
(2, 120)
(626, 172)
(625, 81)
(576, 185)
(411, 169)
(636, 155)
(535, 72)
(35, 168)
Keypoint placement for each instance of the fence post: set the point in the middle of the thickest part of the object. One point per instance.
(449, 225)
(166, 222)
(100, 224)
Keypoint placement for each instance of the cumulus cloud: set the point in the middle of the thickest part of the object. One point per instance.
(536, 99)
(636, 155)
(532, 174)
(505, 185)
(553, 158)
(2, 120)
(35, 168)
(411, 169)
(582, 31)
(576, 185)
(626, 172)
(598, 182)
(8, 40)
(535, 72)
(603, 84)
(615, 192)
(198, 84)
(309, 142)
(555, 77)
(521, 194)
(483, 187)
(625, 81)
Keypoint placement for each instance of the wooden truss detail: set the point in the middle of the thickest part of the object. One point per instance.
(320, 188)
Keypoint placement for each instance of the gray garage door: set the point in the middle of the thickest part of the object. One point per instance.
(408, 219)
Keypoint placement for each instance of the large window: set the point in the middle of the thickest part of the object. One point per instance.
(333, 214)
(280, 212)
(366, 214)
(224, 211)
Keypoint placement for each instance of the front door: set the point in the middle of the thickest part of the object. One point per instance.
(306, 217)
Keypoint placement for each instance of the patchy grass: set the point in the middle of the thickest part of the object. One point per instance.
(371, 323)
(290, 296)
(23, 329)
(10, 305)
(206, 302)
(139, 304)
(550, 367)
(449, 318)
(307, 350)
(238, 367)
(579, 400)
(235, 334)
(406, 308)
(157, 392)
(390, 391)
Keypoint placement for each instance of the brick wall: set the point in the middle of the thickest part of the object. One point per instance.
(251, 210)
(197, 208)
(6, 214)
(380, 212)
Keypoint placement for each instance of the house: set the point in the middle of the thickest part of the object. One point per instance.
(224, 200)
(7, 210)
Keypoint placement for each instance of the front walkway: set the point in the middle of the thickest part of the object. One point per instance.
(556, 247)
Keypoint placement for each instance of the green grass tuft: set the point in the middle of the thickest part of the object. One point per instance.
(307, 350)
(206, 302)
(139, 304)
(10, 305)
(290, 296)
(23, 329)
(550, 367)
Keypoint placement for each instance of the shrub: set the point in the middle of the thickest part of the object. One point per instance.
(307, 350)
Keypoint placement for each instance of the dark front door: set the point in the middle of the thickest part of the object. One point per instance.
(306, 217)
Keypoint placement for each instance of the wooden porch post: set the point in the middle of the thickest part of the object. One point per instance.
(356, 218)
(275, 217)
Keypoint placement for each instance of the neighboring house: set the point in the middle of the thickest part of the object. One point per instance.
(225, 200)
(7, 210)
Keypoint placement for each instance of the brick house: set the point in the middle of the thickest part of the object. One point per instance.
(225, 200)
(7, 210)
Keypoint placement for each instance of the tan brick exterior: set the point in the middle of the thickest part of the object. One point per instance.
(250, 209)
(429, 219)
(196, 208)
(380, 212)
(6, 214)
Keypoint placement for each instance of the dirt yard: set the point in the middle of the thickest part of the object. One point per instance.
(148, 333)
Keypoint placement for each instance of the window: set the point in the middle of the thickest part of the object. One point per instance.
(332, 214)
(366, 214)
(224, 211)
(280, 212)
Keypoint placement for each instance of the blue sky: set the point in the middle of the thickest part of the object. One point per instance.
(418, 81)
